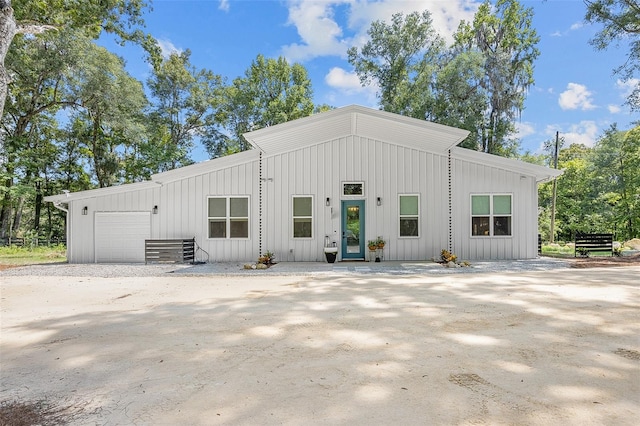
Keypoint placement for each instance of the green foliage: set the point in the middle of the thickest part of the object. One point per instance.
(621, 22)
(187, 105)
(503, 35)
(271, 92)
(599, 190)
(401, 57)
(479, 84)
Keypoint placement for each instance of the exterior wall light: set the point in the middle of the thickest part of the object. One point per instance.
(155, 210)
(379, 201)
(85, 210)
(327, 202)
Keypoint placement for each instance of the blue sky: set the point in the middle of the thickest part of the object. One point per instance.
(575, 91)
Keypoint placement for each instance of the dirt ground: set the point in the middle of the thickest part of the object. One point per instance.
(535, 348)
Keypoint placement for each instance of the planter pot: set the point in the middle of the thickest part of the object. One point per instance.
(331, 253)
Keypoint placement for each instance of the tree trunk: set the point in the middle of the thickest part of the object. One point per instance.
(38, 207)
(5, 216)
(7, 32)
(18, 216)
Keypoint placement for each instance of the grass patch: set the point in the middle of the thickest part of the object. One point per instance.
(556, 250)
(16, 256)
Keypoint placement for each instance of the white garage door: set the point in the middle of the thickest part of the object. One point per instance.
(120, 236)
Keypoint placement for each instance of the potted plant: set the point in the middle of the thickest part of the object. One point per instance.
(380, 243)
(372, 244)
(267, 258)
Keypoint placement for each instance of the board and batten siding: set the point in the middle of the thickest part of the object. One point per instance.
(184, 210)
(81, 238)
(472, 178)
(387, 170)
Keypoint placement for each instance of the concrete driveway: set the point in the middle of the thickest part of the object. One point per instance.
(528, 348)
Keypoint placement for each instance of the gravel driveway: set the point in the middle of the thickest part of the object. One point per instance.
(164, 345)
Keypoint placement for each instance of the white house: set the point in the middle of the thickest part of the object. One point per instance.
(344, 176)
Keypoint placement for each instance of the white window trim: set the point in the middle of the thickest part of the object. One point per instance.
(352, 182)
(228, 217)
(293, 217)
(401, 216)
(491, 214)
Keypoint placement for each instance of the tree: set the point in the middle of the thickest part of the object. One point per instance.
(120, 17)
(39, 68)
(271, 92)
(616, 163)
(505, 38)
(402, 59)
(187, 101)
(621, 20)
(109, 116)
(459, 101)
(576, 210)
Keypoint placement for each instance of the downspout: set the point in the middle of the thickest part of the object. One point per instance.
(450, 241)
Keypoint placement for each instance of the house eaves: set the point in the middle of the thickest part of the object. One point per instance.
(359, 121)
(207, 166)
(91, 193)
(160, 179)
(541, 173)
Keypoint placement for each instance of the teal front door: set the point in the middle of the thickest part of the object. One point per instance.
(353, 229)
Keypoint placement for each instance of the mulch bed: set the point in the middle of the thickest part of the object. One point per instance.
(602, 261)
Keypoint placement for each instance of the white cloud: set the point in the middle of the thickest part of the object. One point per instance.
(576, 97)
(628, 86)
(573, 27)
(614, 109)
(576, 26)
(224, 5)
(348, 83)
(341, 79)
(321, 34)
(167, 48)
(524, 129)
(584, 132)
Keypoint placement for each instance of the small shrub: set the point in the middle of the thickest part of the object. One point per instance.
(447, 257)
(267, 258)
(583, 252)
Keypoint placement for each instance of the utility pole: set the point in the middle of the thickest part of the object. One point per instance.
(555, 187)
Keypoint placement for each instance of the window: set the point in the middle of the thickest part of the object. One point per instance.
(353, 188)
(409, 215)
(491, 215)
(228, 217)
(302, 217)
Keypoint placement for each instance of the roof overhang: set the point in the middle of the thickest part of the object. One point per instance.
(91, 193)
(359, 121)
(541, 173)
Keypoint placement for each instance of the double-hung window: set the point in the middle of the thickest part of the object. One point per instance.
(228, 217)
(302, 216)
(409, 215)
(491, 215)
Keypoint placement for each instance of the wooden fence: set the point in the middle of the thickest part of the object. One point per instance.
(32, 242)
(589, 243)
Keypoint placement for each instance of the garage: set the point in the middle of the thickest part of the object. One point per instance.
(119, 236)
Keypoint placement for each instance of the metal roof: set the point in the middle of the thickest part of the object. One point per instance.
(356, 120)
(541, 173)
